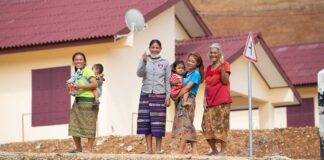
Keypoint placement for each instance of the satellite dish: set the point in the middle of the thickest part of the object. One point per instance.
(134, 20)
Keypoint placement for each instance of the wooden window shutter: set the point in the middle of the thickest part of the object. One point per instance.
(50, 101)
(301, 115)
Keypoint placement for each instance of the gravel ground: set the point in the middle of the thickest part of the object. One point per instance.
(296, 143)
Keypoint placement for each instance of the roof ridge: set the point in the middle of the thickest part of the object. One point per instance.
(297, 44)
(238, 35)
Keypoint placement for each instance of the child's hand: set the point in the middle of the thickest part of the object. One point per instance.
(101, 76)
(179, 83)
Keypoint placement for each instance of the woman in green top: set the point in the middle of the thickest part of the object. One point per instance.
(83, 115)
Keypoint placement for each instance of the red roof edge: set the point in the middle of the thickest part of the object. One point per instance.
(201, 23)
(110, 37)
(153, 13)
(306, 84)
(60, 44)
(259, 38)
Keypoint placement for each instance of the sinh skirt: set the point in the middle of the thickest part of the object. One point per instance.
(83, 118)
(152, 115)
(215, 123)
(183, 127)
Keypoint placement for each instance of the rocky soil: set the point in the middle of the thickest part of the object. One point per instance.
(296, 143)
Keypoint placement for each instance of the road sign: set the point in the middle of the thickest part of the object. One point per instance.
(249, 51)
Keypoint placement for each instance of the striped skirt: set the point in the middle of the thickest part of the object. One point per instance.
(152, 115)
(83, 118)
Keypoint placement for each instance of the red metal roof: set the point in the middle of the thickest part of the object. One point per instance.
(38, 22)
(301, 62)
(232, 46)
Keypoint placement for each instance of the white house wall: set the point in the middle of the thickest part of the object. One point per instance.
(239, 79)
(180, 33)
(120, 92)
(17, 98)
(240, 119)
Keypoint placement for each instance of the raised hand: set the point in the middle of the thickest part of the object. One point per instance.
(144, 56)
(221, 60)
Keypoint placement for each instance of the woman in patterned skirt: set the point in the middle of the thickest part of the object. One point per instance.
(183, 127)
(154, 98)
(215, 123)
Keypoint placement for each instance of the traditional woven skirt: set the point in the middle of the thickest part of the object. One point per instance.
(152, 115)
(183, 121)
(83, 118)
(215, 123)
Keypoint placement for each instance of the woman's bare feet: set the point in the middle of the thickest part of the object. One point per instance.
(195, 153)
(221, 154)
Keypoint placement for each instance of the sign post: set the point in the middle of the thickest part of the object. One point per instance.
(250, 54)
(320, 84)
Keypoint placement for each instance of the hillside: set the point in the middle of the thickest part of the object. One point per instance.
(279, 21)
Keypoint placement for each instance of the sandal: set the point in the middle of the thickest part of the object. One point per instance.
(221, 154)
(159, 152)
(211, 154)
(74, 151)
(146, 152)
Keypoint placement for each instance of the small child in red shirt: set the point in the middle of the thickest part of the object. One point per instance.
(176, 81)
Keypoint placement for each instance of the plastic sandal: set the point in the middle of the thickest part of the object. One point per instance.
(74, 151)
(159, 152)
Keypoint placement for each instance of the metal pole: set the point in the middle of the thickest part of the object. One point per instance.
(320, 85)
(22, 128)
(250, 110)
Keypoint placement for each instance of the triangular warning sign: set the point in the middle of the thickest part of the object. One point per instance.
(249, 51)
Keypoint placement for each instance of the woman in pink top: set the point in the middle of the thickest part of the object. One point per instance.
(215, 123)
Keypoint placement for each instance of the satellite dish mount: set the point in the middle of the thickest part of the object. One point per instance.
(134, 20)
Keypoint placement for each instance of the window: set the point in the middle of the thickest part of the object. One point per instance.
(301, 115)
(50, 101)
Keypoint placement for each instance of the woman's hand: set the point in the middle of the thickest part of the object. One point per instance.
(205, 105)
(76, 86)
(144, 56)
(167, 102)
(221, 60)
